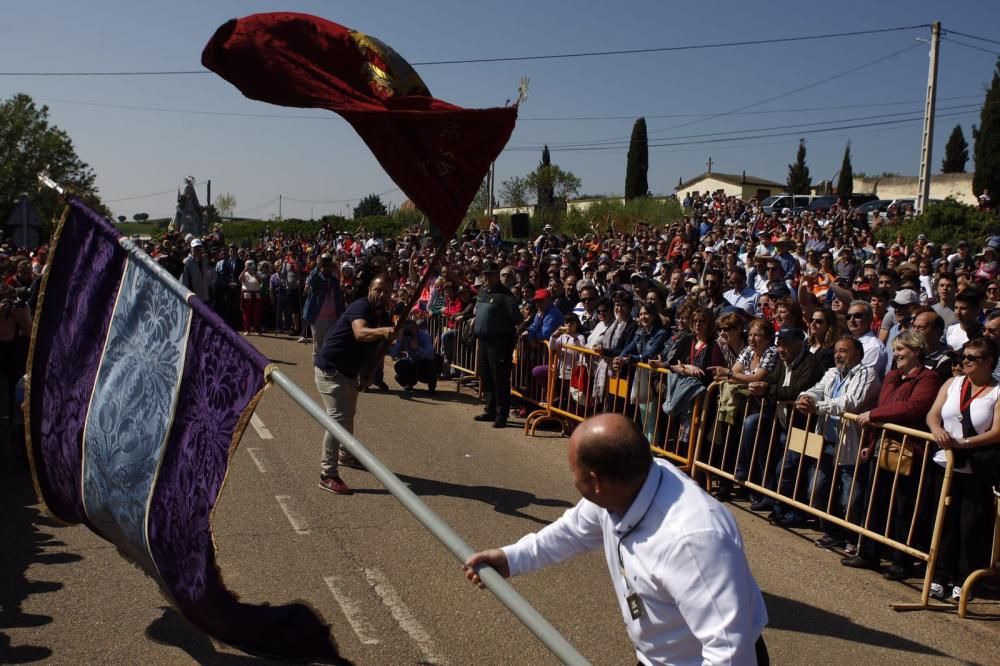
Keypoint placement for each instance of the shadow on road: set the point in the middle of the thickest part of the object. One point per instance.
(792, 615)
(503, 500)
(22, 545)
(173, 630)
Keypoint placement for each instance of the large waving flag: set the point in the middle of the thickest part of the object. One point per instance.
(137, 396)
(437, 153)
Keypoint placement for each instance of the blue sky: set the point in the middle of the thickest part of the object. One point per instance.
(316, 162)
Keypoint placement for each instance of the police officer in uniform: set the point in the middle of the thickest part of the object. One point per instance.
(497, 315)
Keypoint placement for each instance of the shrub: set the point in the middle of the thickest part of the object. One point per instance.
(945, 222)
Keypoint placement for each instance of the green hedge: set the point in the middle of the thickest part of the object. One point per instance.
(945, 222)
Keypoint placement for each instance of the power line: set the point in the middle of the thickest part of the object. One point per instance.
(963, 107)
(971, 46)
(746, 138)
(554, 56)
(965, 34)
(147, 196)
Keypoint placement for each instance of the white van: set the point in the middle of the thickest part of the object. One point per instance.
(797, 203)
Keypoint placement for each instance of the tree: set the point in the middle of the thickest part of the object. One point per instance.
(543, 182)
(514, 192)
(845, 183)
(225, 204)
(956, 152)
(122, 219)
(560, 185)
(370, 206)
(987, 141)
(637, 163)
(799, 181)
(140, 217)
(30, 145)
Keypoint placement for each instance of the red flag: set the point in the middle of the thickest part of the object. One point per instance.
(437, 153)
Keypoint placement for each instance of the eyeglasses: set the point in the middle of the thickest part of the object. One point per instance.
(727, 328)
(971, 358)
(856, 315)
(817, 321)
(602, 311)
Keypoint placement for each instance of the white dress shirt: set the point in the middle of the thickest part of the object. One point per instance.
(747, 299)
(683, 557)
(875, 356)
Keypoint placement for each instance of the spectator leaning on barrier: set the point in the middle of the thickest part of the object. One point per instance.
(797, 371)
(851, 386)
(497, 315)
(965, 418)
(674, 554)
(907, 394)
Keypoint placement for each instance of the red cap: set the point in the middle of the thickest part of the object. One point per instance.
(541, 294)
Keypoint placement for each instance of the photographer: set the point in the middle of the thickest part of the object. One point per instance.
(15, 331)
(415, 358)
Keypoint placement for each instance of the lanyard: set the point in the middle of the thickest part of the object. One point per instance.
(621, 561)
(962, 402)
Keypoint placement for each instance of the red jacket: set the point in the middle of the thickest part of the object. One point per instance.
(906, 400)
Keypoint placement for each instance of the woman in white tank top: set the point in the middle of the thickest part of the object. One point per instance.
(971, 399)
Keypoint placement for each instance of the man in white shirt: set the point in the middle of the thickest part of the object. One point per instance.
(674, 553)
(967, 308)
(859, 323)
(740, 295)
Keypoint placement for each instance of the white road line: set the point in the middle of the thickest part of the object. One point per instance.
(351, 612)
(259, 426)
(256, 460)
(403, 616)
(298, 523)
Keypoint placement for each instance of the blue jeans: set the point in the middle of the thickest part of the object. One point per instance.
(834, 487)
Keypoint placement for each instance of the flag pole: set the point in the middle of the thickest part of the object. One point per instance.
(497, 584)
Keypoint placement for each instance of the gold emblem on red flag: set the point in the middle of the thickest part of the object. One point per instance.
(388, 74)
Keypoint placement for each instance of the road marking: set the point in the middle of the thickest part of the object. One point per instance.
(351, 612)
(298, 523)
(403, 616)
(256, 460)
(259, 426)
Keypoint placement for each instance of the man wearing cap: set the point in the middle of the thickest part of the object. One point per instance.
(547, 319)
(758, 278)
(904, 301)
(798, 371)
(197, 275)
(789, 264)
(497, 314)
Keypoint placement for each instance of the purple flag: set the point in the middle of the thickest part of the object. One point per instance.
(137, 396)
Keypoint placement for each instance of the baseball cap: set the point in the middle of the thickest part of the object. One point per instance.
(906, 297)
(637, 275)
(791, 333)
(196, 243)
(921, 237)
(541, 294)
(879, 244)
(490, 267)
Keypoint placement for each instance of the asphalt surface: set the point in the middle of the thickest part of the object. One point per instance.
(391, 592)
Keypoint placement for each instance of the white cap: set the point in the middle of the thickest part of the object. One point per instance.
(879, 244)
(196, 242)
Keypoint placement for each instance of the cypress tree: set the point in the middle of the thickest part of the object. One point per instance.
(987, 141)
(799, 181)
(637, 164)
(546, 191)
(845, 183)
(956, 152)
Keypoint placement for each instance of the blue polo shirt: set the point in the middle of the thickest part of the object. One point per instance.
(341, 352)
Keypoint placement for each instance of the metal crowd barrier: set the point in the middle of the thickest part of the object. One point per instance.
(466, 352)
(523, 384)
(581, 383)
(798, 460)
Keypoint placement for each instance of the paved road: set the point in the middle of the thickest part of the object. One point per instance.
(390, 591)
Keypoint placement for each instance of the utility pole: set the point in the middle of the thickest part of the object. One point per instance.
(709, 166)
(491, 175)
(927, 139)
(208, 192)
(279, 207)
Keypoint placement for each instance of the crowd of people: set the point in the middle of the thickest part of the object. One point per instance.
(805, 308)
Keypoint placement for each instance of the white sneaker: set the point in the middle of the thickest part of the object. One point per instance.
(956, 594)
(937, 591)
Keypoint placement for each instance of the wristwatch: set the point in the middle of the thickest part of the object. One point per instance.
(963, 442)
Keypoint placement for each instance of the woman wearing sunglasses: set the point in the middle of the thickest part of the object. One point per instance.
(824, 329)
(965, 419)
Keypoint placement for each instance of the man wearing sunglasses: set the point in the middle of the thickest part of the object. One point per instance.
(859, 323)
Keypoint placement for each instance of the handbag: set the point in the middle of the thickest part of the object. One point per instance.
(895, 455)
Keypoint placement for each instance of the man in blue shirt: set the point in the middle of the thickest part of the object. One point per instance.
(547, 319)
(351, 347)
(415, 358)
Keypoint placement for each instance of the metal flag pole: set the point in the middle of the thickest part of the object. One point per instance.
(497, 584)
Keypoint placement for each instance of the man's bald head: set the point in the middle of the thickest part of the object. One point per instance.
(612, 447)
